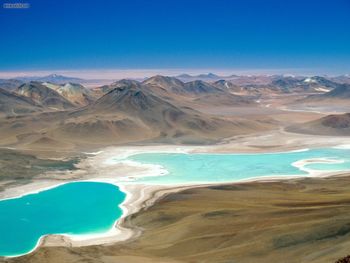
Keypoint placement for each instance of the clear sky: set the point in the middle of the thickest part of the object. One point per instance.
(150, 34)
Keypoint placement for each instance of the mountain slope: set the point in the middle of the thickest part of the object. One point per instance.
(10, 84)
(200, 87)
(120, 83)
(199, 92)
(142, 106)
(44, 96)
(332, 125)
(133, 113)
(340, 93)
(175, 85)
(232, 88)
(210, 94)
(130, 113)
(302, 84)
(14, 104)
(73, 92)
(167, 83)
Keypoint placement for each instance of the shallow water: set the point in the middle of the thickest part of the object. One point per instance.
(209, 168)
(72, 208)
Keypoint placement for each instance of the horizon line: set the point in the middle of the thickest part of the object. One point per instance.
(118, 73)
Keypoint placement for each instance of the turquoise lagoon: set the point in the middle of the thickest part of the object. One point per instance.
(72, 208)
(90, 207)
(211, 168)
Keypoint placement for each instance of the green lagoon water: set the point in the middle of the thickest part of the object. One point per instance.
(210, 168)
(72, 208)
(89, 207)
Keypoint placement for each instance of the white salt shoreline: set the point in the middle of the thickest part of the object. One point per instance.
(137, 195)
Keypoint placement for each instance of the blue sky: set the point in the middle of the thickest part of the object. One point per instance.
(150, 34)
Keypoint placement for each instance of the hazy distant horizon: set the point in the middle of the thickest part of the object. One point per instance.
(144, 73)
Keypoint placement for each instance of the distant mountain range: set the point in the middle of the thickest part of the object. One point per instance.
(204, 77)
(177, 86)
(52, 78)
(48, 94)
(196, 91)
(242, 80)
(158, 109)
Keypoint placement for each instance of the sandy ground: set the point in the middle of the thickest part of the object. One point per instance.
(101, 166)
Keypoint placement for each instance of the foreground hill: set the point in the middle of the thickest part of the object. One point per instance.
(44, 96)
(332, 125)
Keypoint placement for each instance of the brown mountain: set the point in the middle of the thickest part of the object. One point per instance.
(77, 94)
(120, 83)
(44, 96)
(170, 84)
(15, 104)
(332, 125)
(225, 84)
(174, 85)
(194, 93)
(133, 113)
(10, 84)
(235, 89)
(200, 87)
(131, 99)
(340, 93)
(130, 113)
(157, 117)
